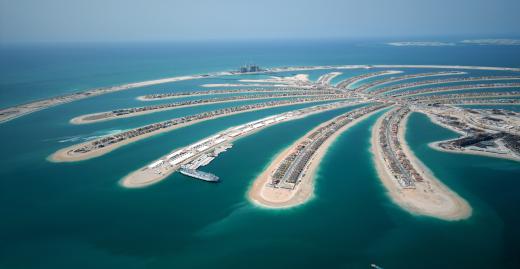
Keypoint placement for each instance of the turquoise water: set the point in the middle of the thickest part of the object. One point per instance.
(75, 215)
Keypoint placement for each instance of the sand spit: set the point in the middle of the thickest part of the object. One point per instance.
(278, 198)
(430, 197)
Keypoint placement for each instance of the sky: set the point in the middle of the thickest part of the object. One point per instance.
(178, 20)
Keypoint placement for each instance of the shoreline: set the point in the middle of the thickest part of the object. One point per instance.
(23, 109)
(63, 156)
(81, 119)
(304, 191)
(436, 201)
(420, 92)
(134, 180)
(392, 92)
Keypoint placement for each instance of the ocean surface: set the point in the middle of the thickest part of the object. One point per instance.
(76, 215)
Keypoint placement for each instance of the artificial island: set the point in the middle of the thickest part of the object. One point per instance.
(391, 92)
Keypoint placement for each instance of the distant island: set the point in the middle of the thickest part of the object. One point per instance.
(502, 41)
(421, 44)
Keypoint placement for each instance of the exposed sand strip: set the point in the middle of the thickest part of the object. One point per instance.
(222, 85)
(268, 197)
(110, 115)
(65, 154)
(430, 197)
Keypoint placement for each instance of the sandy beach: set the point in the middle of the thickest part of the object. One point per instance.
(63, 155)
(144, 177)
(431, 197)
(429, 83)
(213, 92)
(107, 115)
(279, 198)
(462, 88)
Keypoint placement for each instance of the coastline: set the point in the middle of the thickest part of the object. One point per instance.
(437, 200)
(283, 198)
(81, 119)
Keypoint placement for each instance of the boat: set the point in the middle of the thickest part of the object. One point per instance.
(375, 266)
(199, 174)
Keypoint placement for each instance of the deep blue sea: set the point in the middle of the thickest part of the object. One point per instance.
(76, 215)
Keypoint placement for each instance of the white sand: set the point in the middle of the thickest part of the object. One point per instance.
(431, 197)
(268, 197)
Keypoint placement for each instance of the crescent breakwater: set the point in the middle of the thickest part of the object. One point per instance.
(409, 183)
(137, 111)
(103, 145)
(289, 179)
(197, 154)
(14, 112)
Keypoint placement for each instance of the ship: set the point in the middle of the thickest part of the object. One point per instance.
(199, 174)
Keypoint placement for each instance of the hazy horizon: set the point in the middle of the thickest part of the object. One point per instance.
(59, 21)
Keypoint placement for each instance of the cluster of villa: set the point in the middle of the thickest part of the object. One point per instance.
(441, 81)
(293, 167)
(117, 138)
(376, 83)
(456, 96)
(127, 111)
(457, 88)
(171, 95)
(486, 100)
(398, 163)
(347, 83)
(205, 150)
(492, 131)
